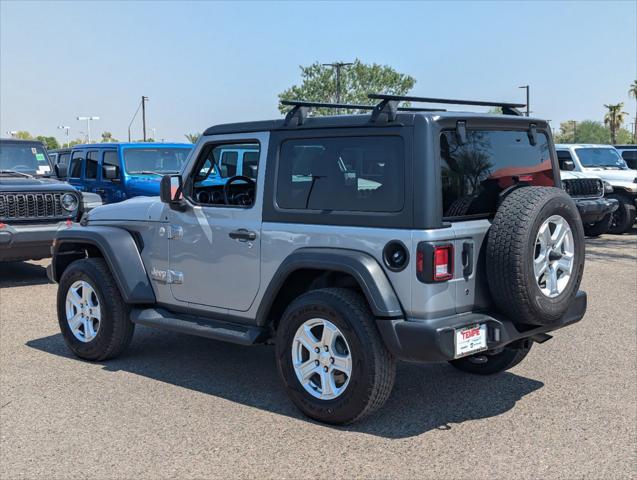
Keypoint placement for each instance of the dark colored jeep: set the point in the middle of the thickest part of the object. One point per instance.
(395, 233)
(32, 202)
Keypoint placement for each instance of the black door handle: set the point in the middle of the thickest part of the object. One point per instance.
(243, 235)
(467, 259)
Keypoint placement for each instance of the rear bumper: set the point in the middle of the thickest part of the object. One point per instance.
(434, 340)
(26, 242)
(592, 211)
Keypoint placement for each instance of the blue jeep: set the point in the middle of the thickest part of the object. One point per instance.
(117, 171)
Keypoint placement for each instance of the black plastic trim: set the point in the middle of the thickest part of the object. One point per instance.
(364, 268)
(121, 253)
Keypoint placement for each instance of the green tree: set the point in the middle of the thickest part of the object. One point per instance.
(192, 137)
(614, 119)
(77, 141)
(356, 81)
(587, 131)
(51, 143)
(107, 137)
(23, 135)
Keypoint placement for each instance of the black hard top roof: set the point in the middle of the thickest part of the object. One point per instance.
(363, 120)
(20, 140)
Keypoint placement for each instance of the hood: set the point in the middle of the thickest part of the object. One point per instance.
(40, 184)
(143, 185)
(570, 175)
(135, 209)
(611, 176)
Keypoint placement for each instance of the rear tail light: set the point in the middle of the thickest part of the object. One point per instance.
(434, 262)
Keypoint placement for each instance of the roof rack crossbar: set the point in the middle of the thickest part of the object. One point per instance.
(508, 108)
(352, 106)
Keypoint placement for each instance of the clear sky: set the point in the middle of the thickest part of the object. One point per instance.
(203, 63)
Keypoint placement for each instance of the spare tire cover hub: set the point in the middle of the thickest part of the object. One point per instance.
(554, 255)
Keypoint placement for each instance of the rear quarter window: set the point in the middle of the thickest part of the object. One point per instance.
(474, 173)
(349, 174)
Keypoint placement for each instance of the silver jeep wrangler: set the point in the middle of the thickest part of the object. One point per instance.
(356, 240)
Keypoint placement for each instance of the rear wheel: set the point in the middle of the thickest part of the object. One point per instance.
(331, 358)
(489, 363)
(93, 317)
(623, 218)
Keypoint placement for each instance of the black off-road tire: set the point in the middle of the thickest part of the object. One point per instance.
(624, 217)
(599, 228)
(115, 330)
(373, 367)
(511, 250)
(496, 363)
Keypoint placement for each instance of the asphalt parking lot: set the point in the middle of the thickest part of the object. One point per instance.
(182, 407)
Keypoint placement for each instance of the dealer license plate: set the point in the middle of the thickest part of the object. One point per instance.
(471, 339)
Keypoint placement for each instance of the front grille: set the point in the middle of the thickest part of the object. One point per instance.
(32, 206)
(584, 187)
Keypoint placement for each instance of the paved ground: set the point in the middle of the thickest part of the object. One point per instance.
(184, 407)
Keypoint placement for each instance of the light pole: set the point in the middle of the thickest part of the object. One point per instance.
(154, 130)
(338, 66)
(88, 124)
(66, 129)
(574, 131)
(528, 107)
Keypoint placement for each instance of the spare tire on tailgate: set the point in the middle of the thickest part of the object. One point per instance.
(535, 254)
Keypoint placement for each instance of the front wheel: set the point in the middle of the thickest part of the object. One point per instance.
(93, 317)
(331, 358)
(624, 217)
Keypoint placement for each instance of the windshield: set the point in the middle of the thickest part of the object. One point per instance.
(29, 158)
(600, 157)
(157, 159)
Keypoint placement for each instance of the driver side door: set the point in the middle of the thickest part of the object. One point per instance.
(215, 248)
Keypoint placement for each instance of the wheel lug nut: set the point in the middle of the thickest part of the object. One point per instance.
(325, 369)
(317, 349)
(326, 348)
(316, 362)
(331, 359)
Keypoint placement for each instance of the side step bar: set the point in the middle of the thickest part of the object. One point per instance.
(199, 326)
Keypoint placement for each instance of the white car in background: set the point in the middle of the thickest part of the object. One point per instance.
(605, 162)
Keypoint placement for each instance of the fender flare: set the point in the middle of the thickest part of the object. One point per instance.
(361, 266)
(120, 252)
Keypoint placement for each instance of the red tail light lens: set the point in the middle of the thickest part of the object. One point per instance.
(443, 263)
(434, 262)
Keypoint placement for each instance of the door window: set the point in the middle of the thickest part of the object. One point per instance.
(214, 175)
(111, 157)
(91, 165)
(75, 170)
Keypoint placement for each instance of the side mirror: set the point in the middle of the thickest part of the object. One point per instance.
(567, 165)
(170, 192)
(109, 172)
(61, 170)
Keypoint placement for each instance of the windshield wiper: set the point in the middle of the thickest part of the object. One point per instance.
(13, 172)
(147, 172)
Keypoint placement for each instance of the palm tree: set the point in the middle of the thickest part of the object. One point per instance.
(614, 119)
(192, 137)
(632, 92)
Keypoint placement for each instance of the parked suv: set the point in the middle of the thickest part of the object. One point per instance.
(629, 154)
(60, 155)
(606, 163)
(32, 202)
(396, 233)
(117, 171)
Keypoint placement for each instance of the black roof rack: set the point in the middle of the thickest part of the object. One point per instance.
(508, 108)
(297, 115)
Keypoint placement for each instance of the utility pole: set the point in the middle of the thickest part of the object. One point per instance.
(144, 100)
(337, 66)
(528, 107)
(88, 125)
(574, 131)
